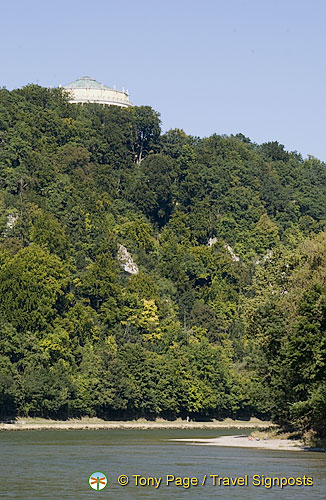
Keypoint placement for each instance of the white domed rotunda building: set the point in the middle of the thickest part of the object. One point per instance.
(86, 89)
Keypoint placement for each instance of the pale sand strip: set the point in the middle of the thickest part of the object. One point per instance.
(141, 424)
(247, 442)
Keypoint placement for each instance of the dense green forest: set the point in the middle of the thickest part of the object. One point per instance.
(150, 274)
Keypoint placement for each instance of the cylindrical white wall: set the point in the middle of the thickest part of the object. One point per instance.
(87, 89)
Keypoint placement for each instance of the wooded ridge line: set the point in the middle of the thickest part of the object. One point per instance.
(156, 275)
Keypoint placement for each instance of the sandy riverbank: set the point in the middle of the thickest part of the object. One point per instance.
(241, 441)
(98, 424)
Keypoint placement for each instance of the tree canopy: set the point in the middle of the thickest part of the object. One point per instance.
(219, 308)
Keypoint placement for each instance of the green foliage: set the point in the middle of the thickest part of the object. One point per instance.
(226, 315)
(32, 287)
(145, 131)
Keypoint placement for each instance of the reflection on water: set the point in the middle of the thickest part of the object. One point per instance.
(57, 464)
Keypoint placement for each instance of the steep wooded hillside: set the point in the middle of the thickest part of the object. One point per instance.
(150, 274)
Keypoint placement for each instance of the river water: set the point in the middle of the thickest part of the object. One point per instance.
(57, 465)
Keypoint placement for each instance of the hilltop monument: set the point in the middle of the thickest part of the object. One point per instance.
(86, 89)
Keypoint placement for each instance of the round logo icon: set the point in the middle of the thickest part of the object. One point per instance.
(97, 481)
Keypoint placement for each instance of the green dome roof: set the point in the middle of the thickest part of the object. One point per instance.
(86, 82)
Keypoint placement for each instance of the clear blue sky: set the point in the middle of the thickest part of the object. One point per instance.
(224, 66)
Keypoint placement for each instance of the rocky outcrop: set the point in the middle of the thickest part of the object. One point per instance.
(126, 261)
(227, 247)
(11, 221)
(234, 257)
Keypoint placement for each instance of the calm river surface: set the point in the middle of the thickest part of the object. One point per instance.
(57, 464)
